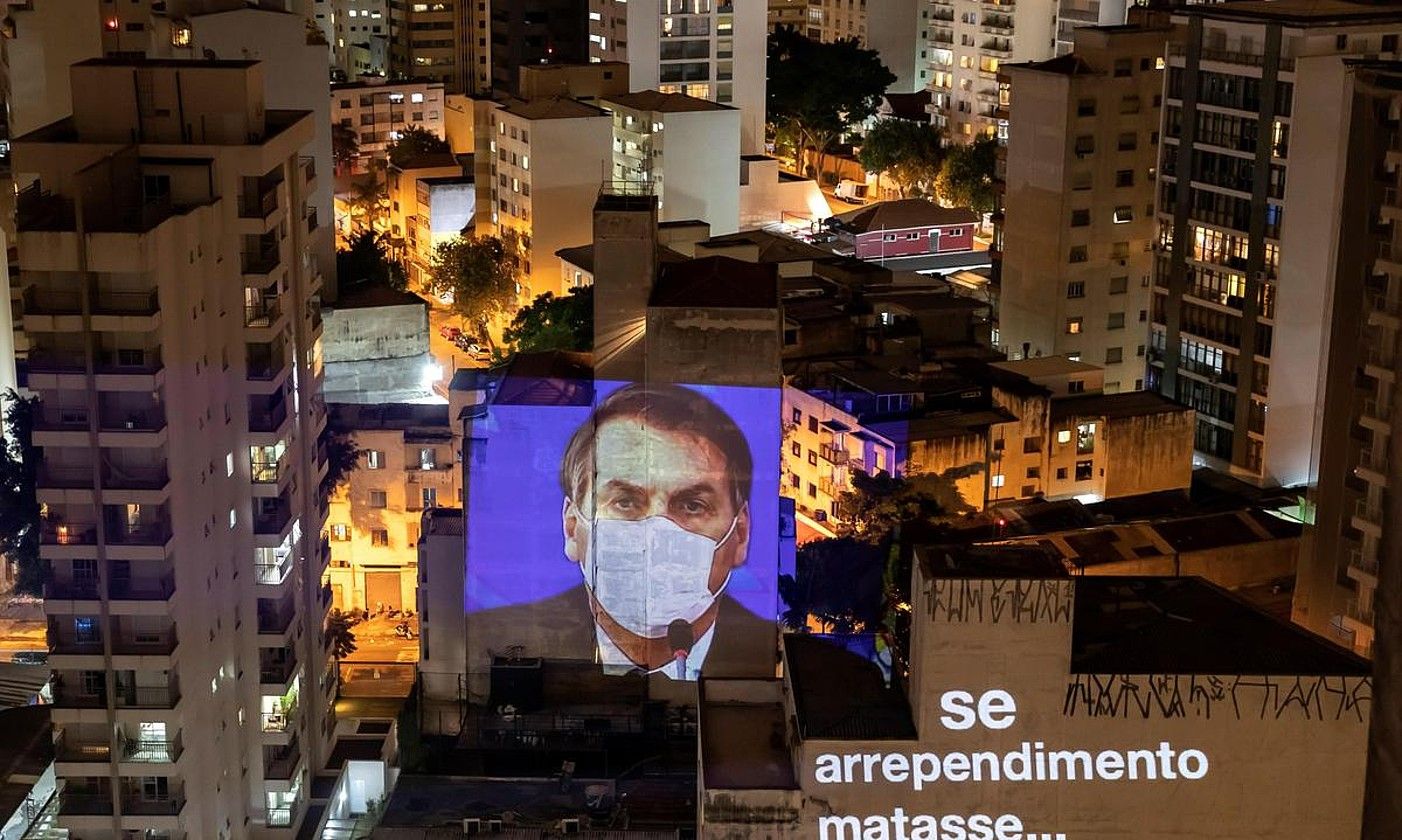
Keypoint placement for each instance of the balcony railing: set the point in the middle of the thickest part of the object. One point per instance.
(276, 673)
(259, 262)
(261, 314)
(1373, 459)
(126, 303)
(135, 477)
(1368, 512)
(1360, 613)
(269, 420)
(832, 454)
(1377, 409)
(272, 523)
(147, 807)
(1367, 565)
(159, 644)
(64, 533)
(84, 804)
(280, 764)
(70, 747)
(149, 697)
(266, 472)
(142, 589)
(275, 572)
(265, 367)
(56, 361)
(146, 420)
(258, 206)
(71, 476)
(283, 721)
(72, 589)
(276, 619)
(143, 533)
(142, 361)
(146, 751)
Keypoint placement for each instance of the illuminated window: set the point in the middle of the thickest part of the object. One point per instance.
(996, 481)
(374, 459)
(180, 35)
(416, 97)
(340, 532)
(1063, 436)
(1073, 326)
(1085, 438)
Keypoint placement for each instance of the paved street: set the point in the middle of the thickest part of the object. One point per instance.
(22, 627)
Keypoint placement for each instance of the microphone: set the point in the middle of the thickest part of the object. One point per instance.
(681, 638)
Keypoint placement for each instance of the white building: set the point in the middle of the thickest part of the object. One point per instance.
(379, 110)
(710, 49)
(171, 303)
(442, 646)
(360, 37)
(969, 41)
(1071, 14)
(687, 149)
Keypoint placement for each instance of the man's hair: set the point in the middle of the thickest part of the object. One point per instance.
(670, 408)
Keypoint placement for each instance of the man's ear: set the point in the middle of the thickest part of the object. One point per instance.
(576, 532)
(741, 537)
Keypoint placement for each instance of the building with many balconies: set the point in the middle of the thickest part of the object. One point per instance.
(170, 299)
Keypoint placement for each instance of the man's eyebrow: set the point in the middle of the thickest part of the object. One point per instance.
(700, 488)
(618, 484)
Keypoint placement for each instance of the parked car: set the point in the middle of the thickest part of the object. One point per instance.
(30, 657)
(450, 332)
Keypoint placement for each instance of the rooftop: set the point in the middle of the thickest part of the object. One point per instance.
(743, 740)
(1301, 12)
(671, 103)
(554, 377)
(1040, 366)
(902, 214)
(369, 295)
(1002, 562)
(908, 106)
(1185, 625)
(444, 522)
(552, 108)
(716, 282)
(866, 708)
(582, 256)
(386, 84)
(1065, 65)
(169, 63)
(1114, 406)
(429, 160)
(370, 416)
(772, 247)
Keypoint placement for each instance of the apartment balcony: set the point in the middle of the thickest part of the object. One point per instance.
(996, 24)
(307, 165)
(1384, 311)
(1380, 362)
(833, 455)
(142, 589)
(999, 4)
(1389, 259)
(276, 673)
(273, 723)
(1372, 465)
(275, 619)
(998, 48)
(260, 263)
(143, 427)
(273, 522)
(84, 804)
(139, 534)
(831, 488)
(135, 476)
(155, 644)
(262, 315)
(1367, 518)
(64, 476)
(1358, 613)
(72, 696)
(259, 206)
(73, 749)
(282, 762)
(1376, 414)
(1363, 568)
(275, 572)
(67, 533)
(147, 751)
(266, 367)
(135, 804)
(268, 420)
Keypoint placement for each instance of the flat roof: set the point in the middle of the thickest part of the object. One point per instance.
(902, 214)
(371, 416)
(444, 522)
(371, 294)
(554, 377)
(744, 746)
(1300, 12)
(654, 100)
(1040, 366)
(1114, 406)
(552, 108)
(1186, 625)
(716, 282)
(174, 63)
(865, 709)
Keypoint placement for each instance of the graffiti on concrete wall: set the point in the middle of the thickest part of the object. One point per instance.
(1001, 601)
(1239, 697)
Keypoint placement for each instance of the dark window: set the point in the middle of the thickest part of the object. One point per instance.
(1031, 444)
(1084, 470)
(1080, 218)
(1124, 178)
(796, 448)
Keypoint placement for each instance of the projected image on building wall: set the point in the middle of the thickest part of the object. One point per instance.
(639, 532)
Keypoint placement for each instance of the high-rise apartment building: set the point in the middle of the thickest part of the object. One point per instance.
(1079, 196)
(897, 29)
(1243, 294)
(535, 32)
(969, 41)
(788, 13)
(443, 40)
(549, 157)
(360, 37)
(709, 49)
(1071, 14)
(170, 297)
(687, 150)
(1343, 554)
(378, 110)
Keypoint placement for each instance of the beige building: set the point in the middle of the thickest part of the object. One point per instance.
(549, 157)
(1152, 707)
(431, 202)
(792, 13)
(1008, 431)
(1078, 184)
(1345, 559)
(444, 40)
(709, 50)
(378, 110)
(969, 41)
(172, 306)
(897, 29)
(686, 150)
(408, 464)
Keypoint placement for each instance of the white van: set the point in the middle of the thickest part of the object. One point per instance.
(851, 191)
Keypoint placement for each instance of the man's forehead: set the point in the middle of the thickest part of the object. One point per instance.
(646, 455)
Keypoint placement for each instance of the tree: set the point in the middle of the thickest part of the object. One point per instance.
(909, 152)
(838, 584)
(367, 261)
(878, 505)
(551, 323)
(967, 177)
(412, 142)
(345, 145)
(19, 504)
(369, 199)
(481, 273)
(342, 458)
(817, 91)
(338, 631)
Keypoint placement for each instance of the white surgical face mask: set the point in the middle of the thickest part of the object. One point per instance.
(647, 573)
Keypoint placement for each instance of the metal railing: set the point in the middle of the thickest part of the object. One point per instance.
(1357, 611)
(69, 748)
(273, 573)
(259, 206)
(146, 751)
(139, 805)
(261, 314)
(276, 619)
(268, 421)
(272, 523)
(84, 804)
(276, 672)
(64, 533)
(283, 721)
(1367, 565)
(150, 697)
(1377, 409)
(142, 589)
(1373, 459)
(259, 262)
(142, 533)
(280, 764)
(832, 454)
(147, 420)
(135, 477)
(126, 303)
(1368, 512)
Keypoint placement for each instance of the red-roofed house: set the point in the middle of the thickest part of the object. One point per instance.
(906, 228)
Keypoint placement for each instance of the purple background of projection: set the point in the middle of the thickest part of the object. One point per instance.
(515, 550)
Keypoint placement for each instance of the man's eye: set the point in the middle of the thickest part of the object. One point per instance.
(695, 507)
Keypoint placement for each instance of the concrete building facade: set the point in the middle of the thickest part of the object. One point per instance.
(378, 110)
(1078, 183)
(969, 41)
(686, 150)
(179, 422)
(1240, 283)
(711, 49)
